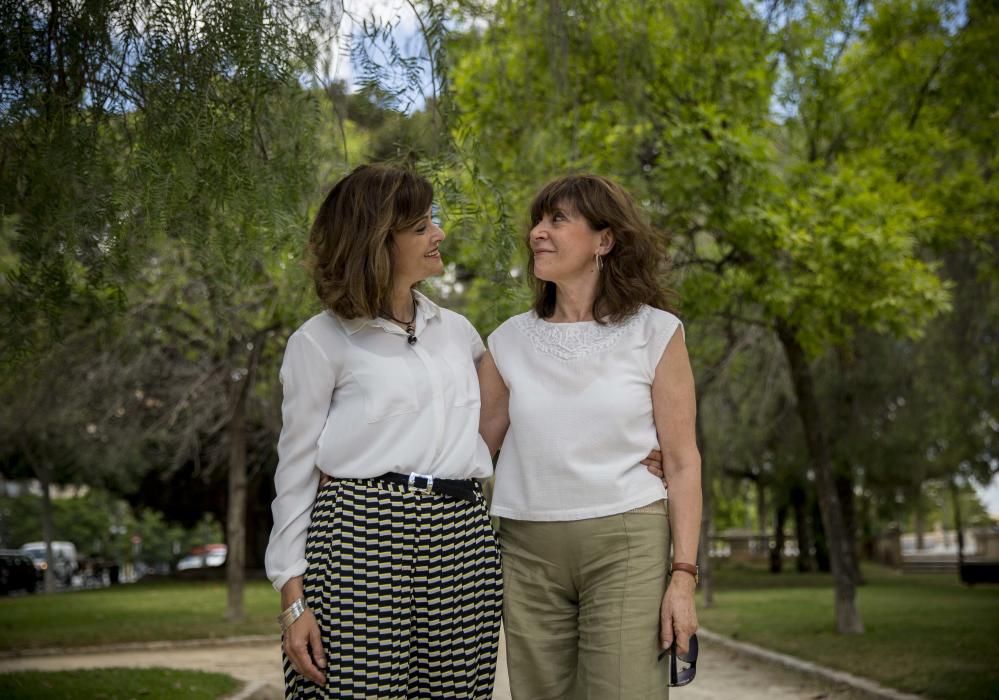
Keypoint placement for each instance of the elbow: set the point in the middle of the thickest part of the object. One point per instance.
(493, 430)
(682, 464)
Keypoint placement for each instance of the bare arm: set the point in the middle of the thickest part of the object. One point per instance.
(674, 409)
(494, 413)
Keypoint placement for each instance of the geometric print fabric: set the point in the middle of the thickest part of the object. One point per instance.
(407, 590)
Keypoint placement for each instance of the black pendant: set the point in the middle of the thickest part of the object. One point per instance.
(411, 333)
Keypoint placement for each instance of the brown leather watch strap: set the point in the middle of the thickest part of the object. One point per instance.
(688, 568)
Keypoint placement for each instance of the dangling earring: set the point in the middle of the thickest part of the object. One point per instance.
(600, 262)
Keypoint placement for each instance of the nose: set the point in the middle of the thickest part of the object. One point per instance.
(438, 234)
(539, 232)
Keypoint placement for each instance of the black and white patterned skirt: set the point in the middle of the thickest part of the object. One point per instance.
(407, 590)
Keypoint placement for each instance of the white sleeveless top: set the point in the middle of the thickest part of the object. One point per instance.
(580, 415)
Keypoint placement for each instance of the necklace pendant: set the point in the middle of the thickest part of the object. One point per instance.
(411, 334)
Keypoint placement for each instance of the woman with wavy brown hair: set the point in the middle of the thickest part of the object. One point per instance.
(575, 391)
(389, 571)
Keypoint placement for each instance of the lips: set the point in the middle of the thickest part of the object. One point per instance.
(435, 253)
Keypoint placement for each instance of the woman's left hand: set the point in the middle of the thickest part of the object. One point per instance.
(677, 616)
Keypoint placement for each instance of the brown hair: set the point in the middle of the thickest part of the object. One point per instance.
(631, 269)
(349, 241)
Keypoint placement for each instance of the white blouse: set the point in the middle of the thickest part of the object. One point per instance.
(360, 401)
(580, 415)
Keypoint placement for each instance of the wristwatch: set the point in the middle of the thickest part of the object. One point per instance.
(689, 568)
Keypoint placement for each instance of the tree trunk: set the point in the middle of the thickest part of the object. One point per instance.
(236, 508)
(801, 529)
(761, 507)
(819, 539)
(955, 495)
(920, 517)
(48, 528)
(847, 617)
(777, 551)
(844, 488)
(236, 511)
(707, 580)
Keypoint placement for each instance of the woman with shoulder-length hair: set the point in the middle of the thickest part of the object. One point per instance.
(389, 573)
(575, 390)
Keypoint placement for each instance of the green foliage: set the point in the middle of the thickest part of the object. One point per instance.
(820, 165)
(101, 526)
(122, 120)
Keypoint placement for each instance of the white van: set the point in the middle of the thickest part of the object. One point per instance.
(64, 563)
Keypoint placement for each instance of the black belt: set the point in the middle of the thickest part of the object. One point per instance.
(465, 489)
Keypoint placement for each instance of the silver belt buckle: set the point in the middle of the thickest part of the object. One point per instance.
(428, 489)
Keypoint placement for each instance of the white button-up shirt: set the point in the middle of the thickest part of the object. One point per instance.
(360, 401)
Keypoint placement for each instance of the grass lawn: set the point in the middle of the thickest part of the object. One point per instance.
(925, 634)
(116, 684)
(133, 613)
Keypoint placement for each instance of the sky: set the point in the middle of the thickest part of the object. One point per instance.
(990, 497)
(397, 12)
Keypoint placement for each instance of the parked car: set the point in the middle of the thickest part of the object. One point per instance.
(65, 561)
(203, 557)
(17, 572)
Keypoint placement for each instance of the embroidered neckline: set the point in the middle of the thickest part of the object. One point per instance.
(572, 341)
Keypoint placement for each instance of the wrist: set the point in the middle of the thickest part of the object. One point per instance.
(683, 583)
(292, 591)
(291, 613)
(680, 570)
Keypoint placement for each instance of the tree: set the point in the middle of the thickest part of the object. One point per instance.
(737, 127)
(132, 123)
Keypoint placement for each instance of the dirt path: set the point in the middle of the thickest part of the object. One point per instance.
(720, 674)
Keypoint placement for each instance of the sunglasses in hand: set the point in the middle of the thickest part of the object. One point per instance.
(685, 674)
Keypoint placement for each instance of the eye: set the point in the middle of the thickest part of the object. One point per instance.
(558, 216)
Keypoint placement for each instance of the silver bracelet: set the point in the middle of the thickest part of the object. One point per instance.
(292, 613)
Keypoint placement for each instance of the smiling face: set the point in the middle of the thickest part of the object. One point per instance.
(575, 217)
(564, 244)
(415, 251)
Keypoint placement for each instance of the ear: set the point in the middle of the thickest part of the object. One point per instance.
(606, 241)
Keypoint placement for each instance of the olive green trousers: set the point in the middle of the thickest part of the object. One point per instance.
(581, 603)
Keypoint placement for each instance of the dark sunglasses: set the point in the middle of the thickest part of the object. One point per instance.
(686, 674)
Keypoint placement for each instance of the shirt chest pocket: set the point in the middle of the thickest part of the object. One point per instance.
(388, 387)
(463, 378)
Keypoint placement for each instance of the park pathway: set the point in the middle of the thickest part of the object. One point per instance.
(721, 674)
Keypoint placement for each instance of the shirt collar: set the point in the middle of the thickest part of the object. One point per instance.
(424, 308)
